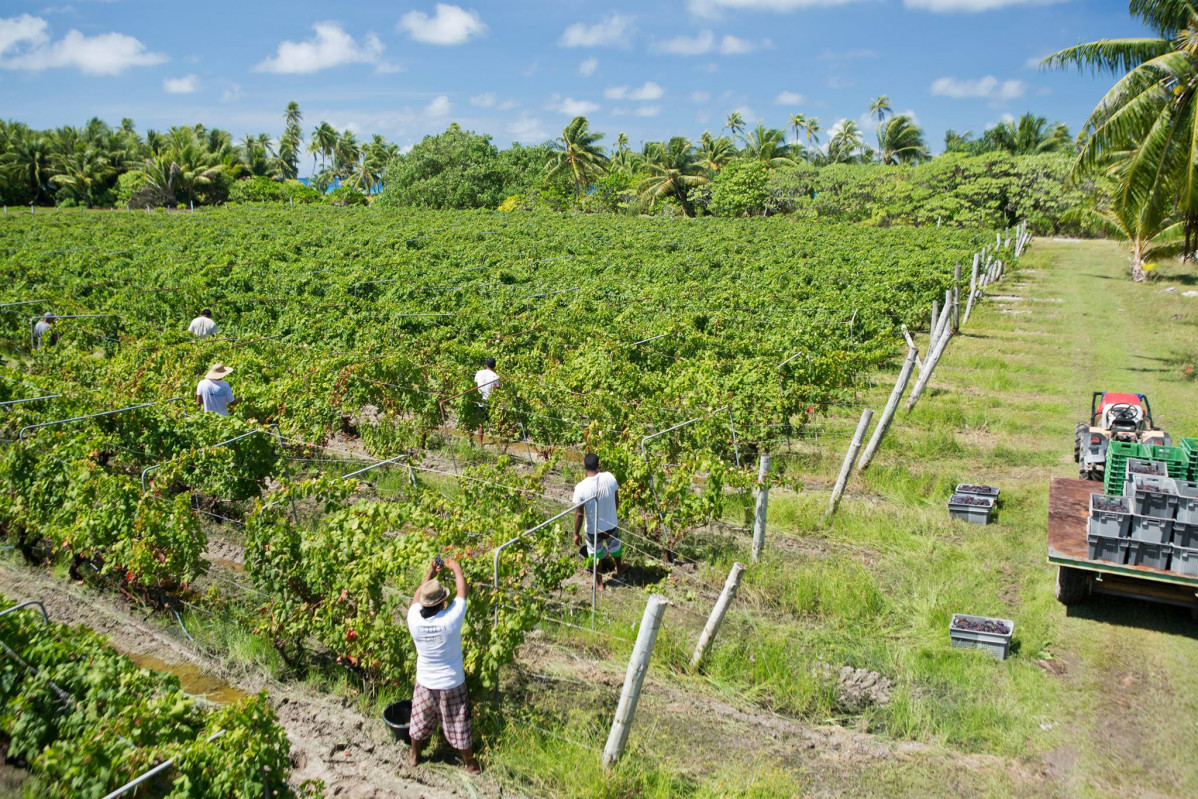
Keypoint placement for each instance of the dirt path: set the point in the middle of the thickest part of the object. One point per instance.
(330, 740)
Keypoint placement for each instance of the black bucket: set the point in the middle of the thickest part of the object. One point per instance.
(397, 716)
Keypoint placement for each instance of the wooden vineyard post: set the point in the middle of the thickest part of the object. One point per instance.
(937, 334)
(911, 343)
(849, 457)
(935, 321)
(634, 678)
(928, 367)
(717, 614)
(973, 287)
(900, 386)
(763, 501)
(957, 298)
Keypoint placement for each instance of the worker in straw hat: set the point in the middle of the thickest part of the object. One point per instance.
(440, 694)
(43, 331)
(213, 393)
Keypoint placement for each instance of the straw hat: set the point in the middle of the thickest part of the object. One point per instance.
(218, 371)
(432, 594)
(48, 316)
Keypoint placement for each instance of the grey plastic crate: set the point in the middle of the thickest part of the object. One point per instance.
(1144, 553)
(1109, 522)
(1185, 561)
(1187, 502)
(996, 644)
(974, 514)
(1108, 548)
(1149, 501)
(1135, 482)
(978, 490)
(1135, 465)
(1150, 529)
(1185, 535)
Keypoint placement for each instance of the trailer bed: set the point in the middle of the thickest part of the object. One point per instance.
(1068, 507)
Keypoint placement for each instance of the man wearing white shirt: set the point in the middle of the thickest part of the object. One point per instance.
(202, 326)
(213, 393)
(486, 381)
(596, 497)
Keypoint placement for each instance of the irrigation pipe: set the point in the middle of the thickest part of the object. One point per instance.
(28, 603)
(155, 771)
(31, 399)
(21, 435)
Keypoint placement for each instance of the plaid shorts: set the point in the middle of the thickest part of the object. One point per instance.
(451, 708)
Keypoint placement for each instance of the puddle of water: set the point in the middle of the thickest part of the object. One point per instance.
(194, 679)
(231, 565)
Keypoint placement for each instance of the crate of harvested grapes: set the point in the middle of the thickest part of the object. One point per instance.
(1187, 502)
(1153, 496)
(971, 508)
(1142, 466)
(979, 632)
(978, 490)
(1110, 515)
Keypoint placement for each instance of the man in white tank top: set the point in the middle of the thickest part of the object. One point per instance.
(598, 504)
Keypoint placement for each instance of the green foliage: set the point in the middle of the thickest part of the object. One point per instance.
(740, 189)
(345, 196)
(456, 169)
(259, 188)
(85, 720)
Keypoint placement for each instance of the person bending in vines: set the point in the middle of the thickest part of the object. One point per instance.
(440, 695)
(486, 381)
(597, 503)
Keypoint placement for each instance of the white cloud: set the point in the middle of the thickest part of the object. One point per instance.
(849, 55)
(714, 8)
(746, 113)
(573, 108)
(527, 129)
(650, 91)
(448, 25)
(231, 94)
(987, 88)
(705, 42)
(1033, 62)
(700, 97)
(25, 44)
(588, 66)
(789, 98)
(970, 6)
(330, 47)
(184, 85)
(387, 68)
(484, 100)
(438, 108)
(614, 30)
(647, 111)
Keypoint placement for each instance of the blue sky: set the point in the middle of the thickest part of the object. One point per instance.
(520, 69)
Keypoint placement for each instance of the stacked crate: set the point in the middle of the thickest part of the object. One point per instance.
(1190, 447)
(1116, 463)
(1151, 521)
(1176, 460)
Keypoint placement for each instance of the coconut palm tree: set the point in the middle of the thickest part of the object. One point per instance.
(673, 172)
(797, 122)
(846, 143)
(346, 155)
(900, 141)
(879, 107)
(811, 129)
(26, 160)
(621, 142)
(577, 153)
(82, 170)
(1151, 113)
(194, 168)
(292, 115)
(715, 152)
(767, 145)
(735, 123)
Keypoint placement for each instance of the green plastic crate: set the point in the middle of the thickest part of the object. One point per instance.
(1190, 447)
(1176, 460)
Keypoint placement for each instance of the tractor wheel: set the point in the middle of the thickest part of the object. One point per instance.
(1073, 585)
(1078, 433)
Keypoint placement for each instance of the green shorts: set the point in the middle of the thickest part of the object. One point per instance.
(610, 546)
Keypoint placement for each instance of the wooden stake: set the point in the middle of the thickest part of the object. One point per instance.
(929, 366)
(763, 501)
(717, 614)
(973, 286)
(892, 404)
(956, 298)
(911, 344)
(934, 321)
(849, 457)
(634, 678)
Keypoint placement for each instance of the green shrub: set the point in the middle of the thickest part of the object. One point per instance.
(263, 189)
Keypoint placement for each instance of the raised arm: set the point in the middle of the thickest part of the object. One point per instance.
(462, 588)
(430, 574)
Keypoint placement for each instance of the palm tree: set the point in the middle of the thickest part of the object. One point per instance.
(83, 169)
(621, 142)
(797, 122)
(193, 168)
(845, 144)
(900, 141)
(1029, 135)
(292, 116)
(673, 172)
(811, 128)
(346, 154)
(26, 160)
(879, 107)
(715, 152)
(578, 154)
(768, 146)
(735, 123)
(1148, 116)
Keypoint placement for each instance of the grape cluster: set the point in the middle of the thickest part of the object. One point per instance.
(1143, 468)
(1118, 505)
(989, 491)
(981, 626)
(970, 499)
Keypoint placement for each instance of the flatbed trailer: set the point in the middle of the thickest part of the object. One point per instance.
(1079, 576)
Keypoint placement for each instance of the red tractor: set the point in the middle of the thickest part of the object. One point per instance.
(1113, 417)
